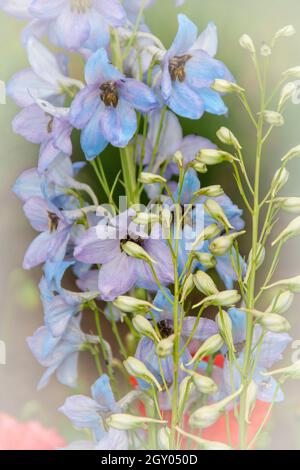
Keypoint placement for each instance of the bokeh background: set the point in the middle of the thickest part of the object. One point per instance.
(20, 309)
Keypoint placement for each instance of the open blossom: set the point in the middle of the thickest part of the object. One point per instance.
(105, 108)
(119, 272)
(189, 69)
(46, 79)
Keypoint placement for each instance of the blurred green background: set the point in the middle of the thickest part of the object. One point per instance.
(20, 308)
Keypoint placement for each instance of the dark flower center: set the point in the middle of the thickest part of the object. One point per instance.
(177, 67)
(165, 328)
(53, 220)
(109, 93)
(137, 241)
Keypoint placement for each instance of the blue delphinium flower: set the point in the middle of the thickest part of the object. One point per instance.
(266, 355)
(146, 350)
(76, 24)
(59, 354)
(91, 413)
(105, 108)
(119, 273)
(189, 69)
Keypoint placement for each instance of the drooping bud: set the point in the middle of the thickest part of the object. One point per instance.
(292, 230)
(137, 368)
(273, 118)
(291, 372)
(144, 327)
(207, 260)
(224, 86)
(281, 303)
(228, 138)
(145, 218)
(163, 438)
(204, 283)
(221, 245)
(289, 204)
(178, 159)
(251, 396)
(226, 298)
(164, 347)
(210, 191)
(285, 32)
(187, 288)
(202, 383)
(293, 72)
(131, 305)
(136, 251)
(224, 323)
(247, 43)
(209, 232)
(280, 179)
(125, 422)
(287, 92)
(292, 284)
(207, 415)
(151, 178)
(214, 157)
(210, 346)
(185, 388)
(294, 152)
(198, 166)
(275, 323)
(217, 213)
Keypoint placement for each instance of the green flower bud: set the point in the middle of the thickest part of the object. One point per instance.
(293, 72)
(137, 368)
(273, 118)
(214, 156)
(291, 372)
(228, 138)
(131, 305)
(275, 323)
(164, 347)
(265, 50)
(224, 86)
(251, 396)
(187, 288)
(225, 298)
(144, 327)
(287, 92)
(209, 232)
(293, 153)
(210, 346)
(126, 422)
(210, 191)
(136, 251)
(282, 303)
(178, 159)
(292, 230)
(289, 204)
(151, 178)
(285, 32)
(207, 260)
(292, 284)
(203, 443)
(216, 212)
(259, 259)
(280, 179)
(145, 218)
(247, 43)
(225, 326)
(199, 167)
(204, 283)
(221, 245)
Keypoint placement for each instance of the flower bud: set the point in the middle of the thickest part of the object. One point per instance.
(221, 245)
(273, 118)
(136, 251)
(144, 327)
(287, 92)
(294, 152)
(280, 179)
(198, 166)
(163, 438)
(251, 396)
(204, 283)
(208, 348)
(216, 212)
(247, 43)
(226, 298)
(203, 443)
(281, 303)
(209, 232)
(137, 368)
(291, 372)
(286, 32)
(259, 259)
(292, 284)
(207, 415)
(164, 347)
(275, 323)
(292, 230)
(151, 178)
(185, 388)
(204, 384)
(131, 342)
(178, 159)
(214, 157)
(126, 422)
(265, 50)
(228, 138)
(293, 72)
(132, 305)
(211, 191)
(187, 288)
(207, 260)
(145, 218)
(289, 204)
(224, 86)
(224, 323)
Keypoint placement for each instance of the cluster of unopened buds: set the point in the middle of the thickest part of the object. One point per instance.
(196, 345)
